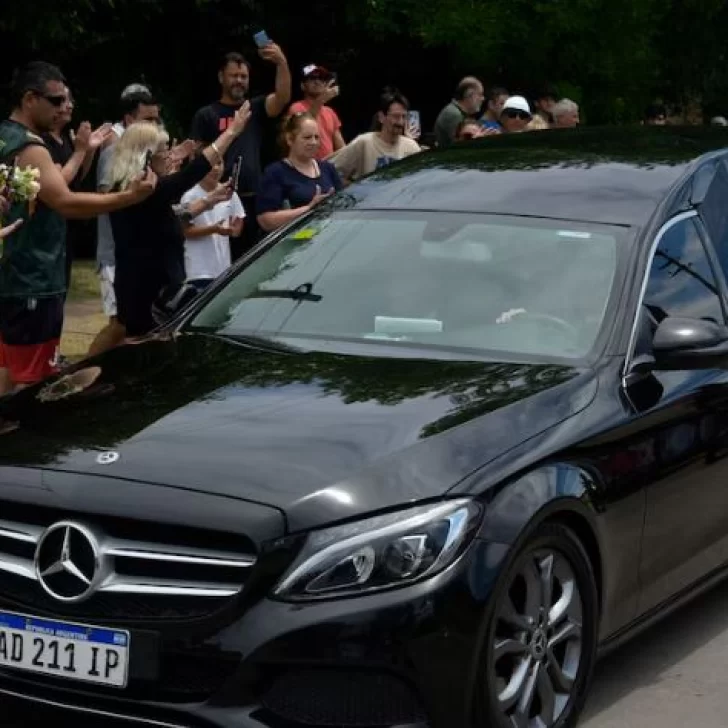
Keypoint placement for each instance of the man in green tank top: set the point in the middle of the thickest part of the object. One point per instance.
(32, 266)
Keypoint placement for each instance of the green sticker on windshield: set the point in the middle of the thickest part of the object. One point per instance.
(305, 234)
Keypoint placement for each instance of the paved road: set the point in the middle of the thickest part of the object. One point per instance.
(672, 676)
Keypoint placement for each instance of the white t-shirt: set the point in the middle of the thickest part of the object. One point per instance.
(209, 257)
(369, 152)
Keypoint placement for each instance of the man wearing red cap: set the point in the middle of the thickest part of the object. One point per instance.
(319, 87)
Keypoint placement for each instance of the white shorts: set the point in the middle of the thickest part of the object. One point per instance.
(108, 296)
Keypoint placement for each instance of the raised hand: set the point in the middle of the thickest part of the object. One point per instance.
(82, 137)
(241, 118)
(320, 196)
(273, 54)
(180, 152)
(98, 137)
(222, 193)
(331, 92)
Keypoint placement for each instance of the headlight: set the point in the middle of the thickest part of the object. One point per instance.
(378, 553)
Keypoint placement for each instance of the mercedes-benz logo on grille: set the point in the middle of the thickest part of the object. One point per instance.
(68, 562)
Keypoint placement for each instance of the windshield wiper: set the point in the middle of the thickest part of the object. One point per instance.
(300, 293)
(262, 343)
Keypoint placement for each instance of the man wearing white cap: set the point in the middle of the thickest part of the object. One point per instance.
(319, 86)
(515, 114)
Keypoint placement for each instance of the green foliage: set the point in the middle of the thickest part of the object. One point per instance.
(614, 56)
(611, 56)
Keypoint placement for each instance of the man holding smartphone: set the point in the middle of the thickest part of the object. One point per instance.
(319, 87)
(210, 121)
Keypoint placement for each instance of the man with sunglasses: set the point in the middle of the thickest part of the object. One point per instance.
(515, 114)
(32, 267)
(319, 87)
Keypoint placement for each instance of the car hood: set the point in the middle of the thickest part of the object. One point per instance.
(320, 436)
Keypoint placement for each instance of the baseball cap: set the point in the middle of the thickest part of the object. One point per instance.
(135, 88)
(314, 71)
(518, 103)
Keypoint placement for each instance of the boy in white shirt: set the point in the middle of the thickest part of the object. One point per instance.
(207, 237)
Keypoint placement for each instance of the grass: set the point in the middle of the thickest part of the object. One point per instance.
(84, 315)
(84, 281)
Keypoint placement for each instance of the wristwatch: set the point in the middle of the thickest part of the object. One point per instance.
(182, 211)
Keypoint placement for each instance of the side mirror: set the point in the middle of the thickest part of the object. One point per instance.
(686, 343)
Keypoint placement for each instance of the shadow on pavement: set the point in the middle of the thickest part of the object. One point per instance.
(645, 660)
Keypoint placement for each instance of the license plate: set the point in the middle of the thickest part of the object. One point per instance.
(64, 649)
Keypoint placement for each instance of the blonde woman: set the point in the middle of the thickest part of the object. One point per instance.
(537, 123)
(148, 238)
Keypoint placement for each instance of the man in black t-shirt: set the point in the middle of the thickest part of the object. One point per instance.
(74, 156)
(210, 121)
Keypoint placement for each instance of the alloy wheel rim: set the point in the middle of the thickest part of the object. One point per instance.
(536, 645)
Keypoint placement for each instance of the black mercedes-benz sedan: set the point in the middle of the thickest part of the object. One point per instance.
(417, 460)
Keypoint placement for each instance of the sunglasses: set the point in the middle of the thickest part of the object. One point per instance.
(54, 99)
(515, 114)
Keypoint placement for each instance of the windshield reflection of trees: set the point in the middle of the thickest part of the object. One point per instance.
(141, 384)
(638, 146)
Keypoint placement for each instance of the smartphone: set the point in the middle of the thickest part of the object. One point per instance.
(148, 159)
(334, 79)
(235, 174)
(261, 39)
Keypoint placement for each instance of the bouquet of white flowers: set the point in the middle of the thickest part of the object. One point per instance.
(16, 185)
(19, 184)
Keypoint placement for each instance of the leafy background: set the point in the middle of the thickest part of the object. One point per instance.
(613, 56)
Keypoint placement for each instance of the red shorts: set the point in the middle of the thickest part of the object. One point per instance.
(30, 335)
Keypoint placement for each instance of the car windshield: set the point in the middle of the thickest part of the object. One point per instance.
(483, 283)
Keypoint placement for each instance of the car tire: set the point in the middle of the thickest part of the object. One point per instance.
(539, 640)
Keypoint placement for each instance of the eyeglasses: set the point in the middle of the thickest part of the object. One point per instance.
(517, 114)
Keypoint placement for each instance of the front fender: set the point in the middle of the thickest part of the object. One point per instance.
(611, 532)
(520, 505)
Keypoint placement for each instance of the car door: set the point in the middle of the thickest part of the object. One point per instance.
(686, 497)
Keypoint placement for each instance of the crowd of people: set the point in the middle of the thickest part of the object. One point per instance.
(172, 217)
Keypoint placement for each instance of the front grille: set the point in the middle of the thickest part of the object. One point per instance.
(135, 570)
(20, 594)
(343, 698)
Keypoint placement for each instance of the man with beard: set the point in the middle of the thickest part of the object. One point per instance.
(210, 121)
(377, 149)
(32, 267)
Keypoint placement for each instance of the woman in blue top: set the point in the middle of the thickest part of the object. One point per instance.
(298, 182)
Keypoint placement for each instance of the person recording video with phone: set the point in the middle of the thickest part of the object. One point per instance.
(319, 87)
(207, 236)
(234, 78)
(149, 244)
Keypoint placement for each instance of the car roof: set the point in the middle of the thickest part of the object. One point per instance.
(616, 175)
